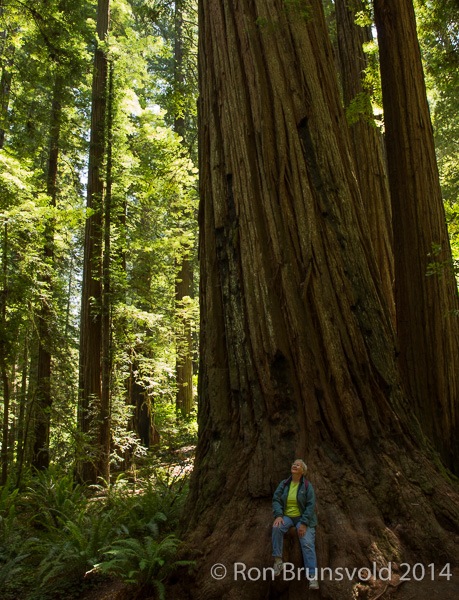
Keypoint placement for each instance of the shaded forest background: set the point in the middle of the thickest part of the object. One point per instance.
(99, 271)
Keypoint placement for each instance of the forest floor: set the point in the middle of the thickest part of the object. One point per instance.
(439, 589)
(422, 590)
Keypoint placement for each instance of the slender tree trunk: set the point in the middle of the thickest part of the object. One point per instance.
(5, 81)
(184, 339)
(3, 356)
(297, 348)
(91, 309)
(69, 299)
(5, 425)
(20, 442)
(142, 421)
(5, 87)
(367, 142)
(105, 405)
(426, 291)
(43, 401)
(183, 284)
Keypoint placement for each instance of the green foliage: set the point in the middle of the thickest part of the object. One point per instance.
(177, 84)
(363, 12)
(438, 31)
(74, 547)
(145, 551)
(43, 44)
(54, 499)
(360, 108)
(54, 536)
(145, 562)
(176, 433)
(155, 198)
(150, 505)
(14, 545)
(436, 266)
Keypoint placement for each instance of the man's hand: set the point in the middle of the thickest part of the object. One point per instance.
(278, 521)
(301, 530)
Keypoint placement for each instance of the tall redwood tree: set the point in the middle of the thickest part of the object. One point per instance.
(298, 356)
(425, 286)
(44, 400)
(93, 412)
(184, 280)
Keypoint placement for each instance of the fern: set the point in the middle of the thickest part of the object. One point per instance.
(55, 499)
(73, 548)
(143, 562)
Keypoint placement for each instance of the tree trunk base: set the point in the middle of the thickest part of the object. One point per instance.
(386, 512)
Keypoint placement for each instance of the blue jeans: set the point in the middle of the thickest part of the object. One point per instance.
(307, 543)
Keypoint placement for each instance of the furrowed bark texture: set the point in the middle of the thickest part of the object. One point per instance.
(426, 289)
(367, 142)
(297, 351)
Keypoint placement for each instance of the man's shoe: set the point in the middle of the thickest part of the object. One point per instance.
(278, 566)
(314, 584)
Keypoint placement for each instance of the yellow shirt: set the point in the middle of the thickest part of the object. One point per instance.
(292, 509)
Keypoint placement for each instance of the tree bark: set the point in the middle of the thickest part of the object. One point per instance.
(297, 349)
(5, 88)
(183, 284)
(4, 349)
(91, 314)
(5, 81)
(106, 349)
(367, 142)
(142, 420)
(426, 290)
(43, 400)
(184, 339)
(21, 428)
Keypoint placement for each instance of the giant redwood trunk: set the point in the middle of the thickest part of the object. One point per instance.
(425, 290)
(297, 349)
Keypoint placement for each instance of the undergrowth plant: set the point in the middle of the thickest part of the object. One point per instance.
(143, 562)
(146, 551)
(56, 535)
(53, 498)
(71, 550)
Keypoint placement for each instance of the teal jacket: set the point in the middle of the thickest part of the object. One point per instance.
(305, 497)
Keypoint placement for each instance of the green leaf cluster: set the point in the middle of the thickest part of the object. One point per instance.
(438, 30)
(55, 537)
